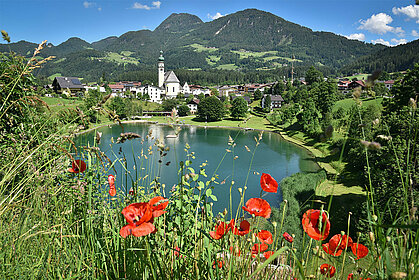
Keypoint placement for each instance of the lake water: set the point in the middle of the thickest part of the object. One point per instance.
(274, 156)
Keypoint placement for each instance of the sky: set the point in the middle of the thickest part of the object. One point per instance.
(373, 21)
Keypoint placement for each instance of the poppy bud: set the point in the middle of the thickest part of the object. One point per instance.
(225, 211)
(388, 238)
(375, 218)
(372, 238)
(412, 103)
(274, 224)
(240, 190)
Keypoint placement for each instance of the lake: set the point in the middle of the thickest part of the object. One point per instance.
(274, 155)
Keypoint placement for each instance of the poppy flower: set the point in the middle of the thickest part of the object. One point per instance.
(243, 229)
(350, 276)
(258, 207)
(328, 270)
(176, 251)
(139, 217)
(131, 192)
(359, 250)
(256, 248)
(268, 254)
(288, 237)
(265, 237)
(268, 183)
(220, 264)
(158, 204)
(326, 248)
(235, 251)
(77, 166)
(111, 181)
(311, 224)
(220, 230)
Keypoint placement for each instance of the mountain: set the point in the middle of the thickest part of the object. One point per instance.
(399, 58)
(246, 40)
(22, 47)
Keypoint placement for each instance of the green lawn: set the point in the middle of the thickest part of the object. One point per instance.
(359, 77)
(119, 58)
(247, 54)
(52, 77)
(349, 102)
(227, 67)
(201, 48)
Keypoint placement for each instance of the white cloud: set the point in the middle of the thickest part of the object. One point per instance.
(154, 5)
(410, 11)
(88, 4)
(217, 15)
(99, 9)
(398, 42)
(356, 36)
(382, 42)
(415, 33)
(379, 24)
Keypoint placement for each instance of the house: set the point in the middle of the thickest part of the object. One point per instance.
(276, 101)
(117, 89)
(227, 90)
(193, 105)
(389, 84)
(356, 84)
(72, 84)
(343, 85)
(154, 93)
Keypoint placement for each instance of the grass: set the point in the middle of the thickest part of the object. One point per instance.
(201, 48)
(246, 54)
(358, 76)
(349, 102)
(126, 53)
(227, 67)
(119, 58)
(53, 76)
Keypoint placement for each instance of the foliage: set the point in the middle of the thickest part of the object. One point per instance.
(238, 108)
(169, 104)
(266, 103)
(284, 114)
(313, 76)
(258, 95)
(124, 107)
(310, 118)
(90, 102)
(210, 109)
(183, 110)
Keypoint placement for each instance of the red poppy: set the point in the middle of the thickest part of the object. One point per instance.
(77, 166)
(243, 229)
(176, 252)
(258, 248)
(359, 250)
(350, 276)
(111, 181)
(268, 183)
(220, 264)
(339, 242)
(258, 207)
(139, 217)
(328, 270)
(158, 204)
(311, 224)
(265, 237)
(220, 230)
(288, 237)
(268, 254)
(235, 251)
(326, 248)
(131, 192)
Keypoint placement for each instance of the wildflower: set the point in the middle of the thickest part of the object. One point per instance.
(350, 276)
(268, 183)
(158, 204)
(328, 270)
(312, 225)
(371, 145)
(265, 237)
(288, 237)
(359, 250)
(176, 252)
(243, 229)
(139, 217)
(268, 254)
(131, 192)
(256, 248)
(77, 166)
(258, 207)
(220, 264)
(221, 229)
(337, 244)
(327, 249)
(112, 189)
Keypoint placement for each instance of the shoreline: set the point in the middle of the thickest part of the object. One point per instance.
(329, 169)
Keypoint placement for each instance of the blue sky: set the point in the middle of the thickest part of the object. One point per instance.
(385, 21)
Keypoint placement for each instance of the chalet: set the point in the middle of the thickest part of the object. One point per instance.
(356, 84)
(117, 89)
(193, 105)
(276, 101)
(343, 85)
(227, 90)
(389, 84)
(72, 84)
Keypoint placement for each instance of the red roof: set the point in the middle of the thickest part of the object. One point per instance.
(116, 86)
(389, 82)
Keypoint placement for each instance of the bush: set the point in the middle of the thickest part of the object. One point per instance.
(210, 109)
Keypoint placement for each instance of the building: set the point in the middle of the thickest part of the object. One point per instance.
(276, 101)
(168, 81)
(154, 93)
(117, 89)
(71, 85)
(356, 84)
(193, 105)
(389, 84)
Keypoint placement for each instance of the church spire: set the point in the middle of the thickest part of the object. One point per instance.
(160, 65)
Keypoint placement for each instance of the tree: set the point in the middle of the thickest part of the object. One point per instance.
(124, 107)
(310, 118)
(238, 108)
(267, 103)
(183, 110)
(313, 76)
(210, 109)
(258, 95)
(90, 100)
(169, 104)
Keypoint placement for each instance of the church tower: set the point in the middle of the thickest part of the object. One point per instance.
(161, 69)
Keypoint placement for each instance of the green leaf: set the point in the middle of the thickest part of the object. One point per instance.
(208, 193)
(213, 197)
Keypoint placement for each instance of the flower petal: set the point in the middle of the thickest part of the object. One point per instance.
(143, 229)
(268, 184)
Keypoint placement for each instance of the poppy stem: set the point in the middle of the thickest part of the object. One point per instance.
(346, 246)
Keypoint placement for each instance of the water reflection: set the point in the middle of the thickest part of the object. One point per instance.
(274, 156)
